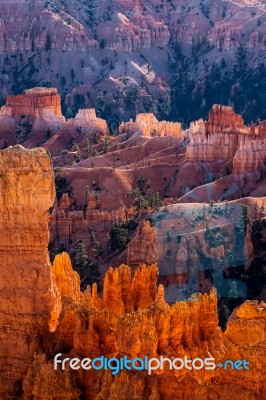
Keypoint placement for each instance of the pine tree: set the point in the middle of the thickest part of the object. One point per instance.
(106, 144)
(245, 215)
(48, 42)
(75, 147)
(88, 270)
(96, 251)
(154, 201)
(87, 195)
(233, 291)
(149, 66)
(139, 201)
(168, 236)
(224, 314)
(81, 259)
(72, 74)
(118, 236)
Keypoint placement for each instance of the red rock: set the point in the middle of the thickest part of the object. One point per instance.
(142, 248)
(243, 145)
(34, 103)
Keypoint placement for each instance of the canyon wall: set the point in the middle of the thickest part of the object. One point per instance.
(46, 20)
(142, 32)
(34, 102)
(250, 156)
(64, 222)
(133, 25)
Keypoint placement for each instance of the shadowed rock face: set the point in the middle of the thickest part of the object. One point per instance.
(102, 40)
(28, 305)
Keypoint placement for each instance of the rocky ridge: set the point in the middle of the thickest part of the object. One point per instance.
(87, 48)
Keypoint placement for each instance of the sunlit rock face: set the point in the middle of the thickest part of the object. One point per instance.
(29, 304)
(224, 137)
(148, 125)
(131, 318)
(34, 102)
(142, 248)
(87, 118)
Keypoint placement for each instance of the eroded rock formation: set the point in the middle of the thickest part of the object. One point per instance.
(250, 156)
(224, 137)
(34, 117)
(30, 301)
(34, 103)
(142, 32)
(64, 32)
(142, 248)
(133, 319)
(224, 119)
(148, 125)
(87, 118)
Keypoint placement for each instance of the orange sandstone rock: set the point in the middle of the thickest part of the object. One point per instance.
(142, 248)
(122, 325)
(34, 102)
(131, 319)
(67, 280)
(224, 119)
(30, 301)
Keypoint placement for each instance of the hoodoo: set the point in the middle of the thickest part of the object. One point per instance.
(29, 304)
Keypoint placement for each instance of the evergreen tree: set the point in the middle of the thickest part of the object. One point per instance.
(224, 314)
(233, 291)
(81, 259)
(97, 250)
(245, 215)
(87, 195)
(164, 108)
(139, 201)
(149, 66)
(106, 144)
(75, 147)
(48, 42)
(88, 270)
(72, 74)
(118, 236)
(154, 201)
(168, 237)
